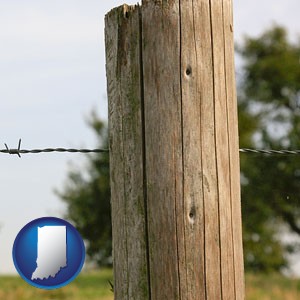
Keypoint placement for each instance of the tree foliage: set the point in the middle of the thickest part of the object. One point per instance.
(269, 105)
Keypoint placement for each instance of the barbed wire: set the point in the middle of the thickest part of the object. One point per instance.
(18, 151)
(270, 151)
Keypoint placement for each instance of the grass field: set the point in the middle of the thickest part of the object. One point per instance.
(90, 286)
(94, 285)
(272, 287)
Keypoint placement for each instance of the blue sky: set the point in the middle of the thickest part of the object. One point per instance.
(52, 74)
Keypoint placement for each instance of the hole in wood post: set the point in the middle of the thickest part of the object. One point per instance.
(188, 71)
(192, 215)
(126, 14)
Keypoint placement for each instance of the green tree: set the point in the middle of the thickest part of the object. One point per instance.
(269, 118)
(87, 195)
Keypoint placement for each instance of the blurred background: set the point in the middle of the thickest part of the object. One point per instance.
(53, 94)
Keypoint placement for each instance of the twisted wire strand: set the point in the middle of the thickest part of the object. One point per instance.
(19, 151)
(270, 151)
(48, 150)
(72, 150)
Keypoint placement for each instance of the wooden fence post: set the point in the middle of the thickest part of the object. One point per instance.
(174, 157)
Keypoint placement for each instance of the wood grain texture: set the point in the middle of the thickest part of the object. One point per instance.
(203, 75)
(162, 98)
(126, 153)
(116, 159)
(174, 151)
(234, 149)
(222, 148)
(200, 200)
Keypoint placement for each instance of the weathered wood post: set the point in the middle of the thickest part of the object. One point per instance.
(174, 151)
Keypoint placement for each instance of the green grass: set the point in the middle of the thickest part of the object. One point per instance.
(272, 287)
(94, 285)
(91, 286)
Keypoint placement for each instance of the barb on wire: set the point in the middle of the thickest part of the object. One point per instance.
(20, 151)
(14, 151)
